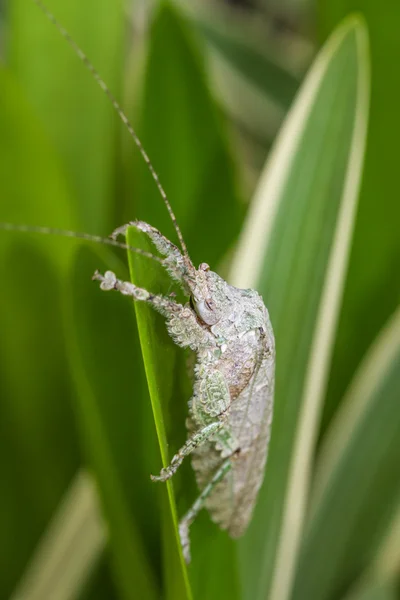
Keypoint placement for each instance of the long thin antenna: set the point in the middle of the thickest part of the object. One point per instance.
(76, 234)
(120, 113)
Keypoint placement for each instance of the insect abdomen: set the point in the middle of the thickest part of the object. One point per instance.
(232, 501)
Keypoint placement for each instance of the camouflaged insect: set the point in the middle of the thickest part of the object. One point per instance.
(230, 411)
(229, 330)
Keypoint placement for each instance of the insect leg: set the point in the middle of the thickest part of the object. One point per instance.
(191, 444)
(163, 244)
(182, 323)
(192, 513)
(162, 304)
(177, 265)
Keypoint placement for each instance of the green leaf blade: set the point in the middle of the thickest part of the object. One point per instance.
(190, 155)
(355, 474)
(111, 412)
(372, 286)
(295, 248)
(161, 360)
(38, 448)
(276, 82)
(78, 117)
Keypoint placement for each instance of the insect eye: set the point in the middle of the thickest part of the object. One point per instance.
(210, 304)
(204, 267)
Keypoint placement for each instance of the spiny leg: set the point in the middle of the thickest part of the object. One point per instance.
(209, 408)
(192, 513)
(178, 265)
(183, 325)
(162, 304)
(163, 244)
(191, 444)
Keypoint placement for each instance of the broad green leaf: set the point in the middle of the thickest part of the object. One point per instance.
(111, 411)
(356, 491)
(372, 288)
(39, 452)
(76, 114)
(257, 67)
(294, 249)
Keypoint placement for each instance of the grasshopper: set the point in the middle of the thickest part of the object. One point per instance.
(229, 330)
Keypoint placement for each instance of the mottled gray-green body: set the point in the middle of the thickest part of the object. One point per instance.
(230, 412)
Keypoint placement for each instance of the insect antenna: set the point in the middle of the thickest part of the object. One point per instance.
(76, 234)
(121, 114)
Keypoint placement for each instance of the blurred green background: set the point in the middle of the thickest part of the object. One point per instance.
(257, 129)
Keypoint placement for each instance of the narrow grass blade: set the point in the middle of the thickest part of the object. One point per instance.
(160, 358)
(356, 473)
(384, 590)
(69, 549)
(271, 78)
(381, 577)
(386, 563)
(294, 249)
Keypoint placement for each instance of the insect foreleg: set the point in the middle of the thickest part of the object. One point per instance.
(182, 323)
(177, 265)
(163, 244)
(195, 440)
(162, 304)
(192, 513)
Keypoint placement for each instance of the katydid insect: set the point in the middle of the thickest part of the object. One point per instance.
(229, 330)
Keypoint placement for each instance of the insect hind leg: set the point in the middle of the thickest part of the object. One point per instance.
(197, 439)
(192, 513)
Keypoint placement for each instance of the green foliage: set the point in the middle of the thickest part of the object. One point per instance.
(300, 227)
(364, 440)
(372, 289)
(93, 391)
(253, 65)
